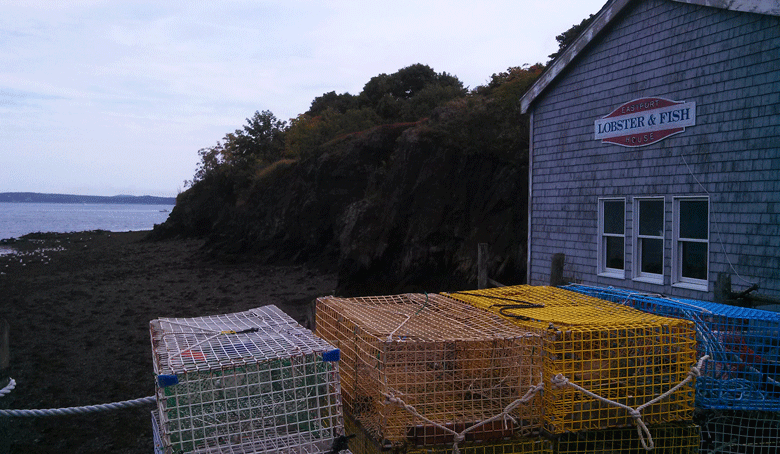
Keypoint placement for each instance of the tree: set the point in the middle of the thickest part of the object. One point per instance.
(568, 37)
(410, 93)
(211, 159)
(262, 139)
(340, 103)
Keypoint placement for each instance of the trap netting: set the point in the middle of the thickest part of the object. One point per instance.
(677, 438)
(426, 370)
(740, 432)
(360, 442)
(252, 381)
(743, 346)
(602, 361)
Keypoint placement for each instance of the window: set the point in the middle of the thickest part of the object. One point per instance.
(691, 242)
(612, 238)
(649, 240)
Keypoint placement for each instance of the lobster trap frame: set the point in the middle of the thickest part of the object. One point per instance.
(360, 442)
(742, 371)
(417, 368)
(625, 357)
(739, 432)
(252, 381)
(667, 439)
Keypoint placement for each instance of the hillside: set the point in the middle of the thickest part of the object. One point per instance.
(393, 209)
(34, 197)
(357, 185)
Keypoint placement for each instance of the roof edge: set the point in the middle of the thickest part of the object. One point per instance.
(611, 9)
(602, 19)
(769, 7)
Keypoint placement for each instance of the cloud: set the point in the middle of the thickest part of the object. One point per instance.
(99, 94)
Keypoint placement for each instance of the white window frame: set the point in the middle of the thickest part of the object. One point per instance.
(638, 274)
(678, 280)
(603, 269)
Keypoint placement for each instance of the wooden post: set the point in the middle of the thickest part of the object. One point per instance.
(723, 288)
(556, 269)
(482, 260)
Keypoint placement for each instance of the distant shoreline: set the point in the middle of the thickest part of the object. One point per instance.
(34, 197)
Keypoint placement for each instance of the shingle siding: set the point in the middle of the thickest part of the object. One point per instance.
(727, 62)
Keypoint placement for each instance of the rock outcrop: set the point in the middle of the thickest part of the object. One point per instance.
(396, 208)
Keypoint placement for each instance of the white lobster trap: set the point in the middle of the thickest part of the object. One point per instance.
(253, 381)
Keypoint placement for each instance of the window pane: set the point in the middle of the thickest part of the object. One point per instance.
(614, 215)
(694, 260)
(652, 256)
(693, 219)
(651, 217)
(614, 251)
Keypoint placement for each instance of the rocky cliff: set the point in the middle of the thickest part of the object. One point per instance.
(396, 208)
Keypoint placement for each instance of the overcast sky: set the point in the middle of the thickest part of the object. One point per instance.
(116, 97)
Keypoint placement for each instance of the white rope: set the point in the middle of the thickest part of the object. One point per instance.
(79, 410)
(460, 436)
(8, 388)
(641, 427)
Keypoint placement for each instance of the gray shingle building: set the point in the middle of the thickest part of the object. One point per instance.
(655, 150)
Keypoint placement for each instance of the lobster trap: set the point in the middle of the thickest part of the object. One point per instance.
(601, 359)
(360, 442)
(417, 369)
(666, 439)
(252, 381)
(742, 371)
(740, 432)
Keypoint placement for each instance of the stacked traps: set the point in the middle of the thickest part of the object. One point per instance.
(362, 443)
(667, 439)
(738, 393)
(605, 365)
(743, 346)
(739, 432)
(426, 370)
(252, 381)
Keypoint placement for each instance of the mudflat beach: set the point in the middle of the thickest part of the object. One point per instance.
(79, 306)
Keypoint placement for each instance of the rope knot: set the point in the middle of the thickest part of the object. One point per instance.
(695, 371)
(559, 380)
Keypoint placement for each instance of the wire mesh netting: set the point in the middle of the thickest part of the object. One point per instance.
(617, 353)
(360, 442)
(743, 345)
(740, 432)
(156, 438)
(667, 439)
(416, 367)
(252, 381)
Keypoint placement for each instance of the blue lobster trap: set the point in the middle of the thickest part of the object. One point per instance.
(743, 345)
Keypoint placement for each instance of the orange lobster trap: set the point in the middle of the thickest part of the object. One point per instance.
(605, 365)
(426, 370)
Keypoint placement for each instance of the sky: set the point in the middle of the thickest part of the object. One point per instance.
(117, 97)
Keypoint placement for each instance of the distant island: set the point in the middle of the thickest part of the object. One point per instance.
(34, 197)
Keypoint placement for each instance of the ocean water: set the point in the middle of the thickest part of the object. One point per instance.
(17, 219)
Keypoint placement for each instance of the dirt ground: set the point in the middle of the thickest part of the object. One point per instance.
(79, 307)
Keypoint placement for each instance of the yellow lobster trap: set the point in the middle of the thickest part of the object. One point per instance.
(676, 438)
(426, 370)
(605, 365)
